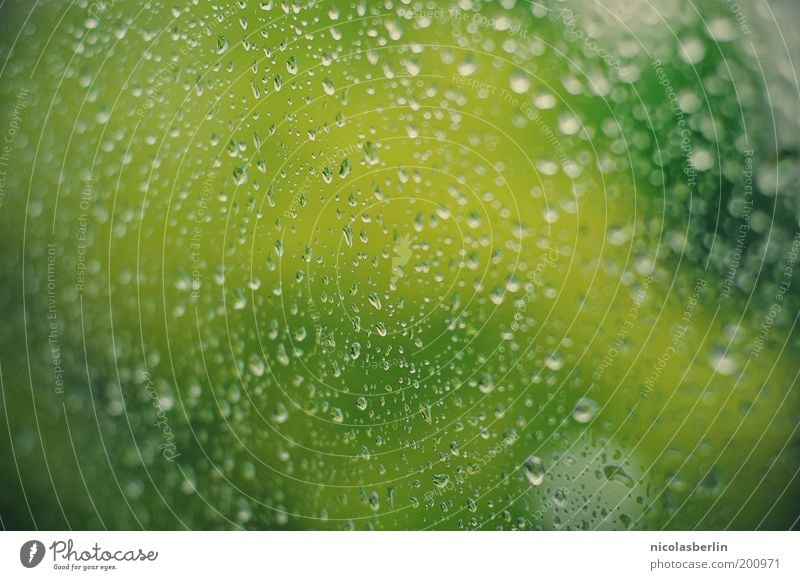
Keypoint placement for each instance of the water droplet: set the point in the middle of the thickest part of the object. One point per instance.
(347, 231)
(723, 362)
(584, 410)
(692, 50)
(239, 175)
(520, 83)
(441, 480)
(425, 411)
(702, 160)
(617, 473)
(280, 414)
(497, 296)
(374, 501)
(544, 101)
(375, 300)
(256, 365)
(370, 153)
(223, 44)
(554, 361)
(467, 67)
(534, 470)
(239, 300)
(486, 383)
(721, 29)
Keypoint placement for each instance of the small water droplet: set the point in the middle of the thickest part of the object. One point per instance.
(554, 361)
(723, 362)
(280, 414)
(584, 410)
(374, 501)
(441, 480)
(375, 300)
(240, 175)
(520, 83)
(223, 44)
(347, 231)
(617, 473)
(534, 470)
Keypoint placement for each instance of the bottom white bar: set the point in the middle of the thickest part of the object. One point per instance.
(401, 555)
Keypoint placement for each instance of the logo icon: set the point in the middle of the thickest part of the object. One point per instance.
(31, 553)
(403, 253)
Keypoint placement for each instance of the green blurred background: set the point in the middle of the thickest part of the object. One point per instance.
(399, 265)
